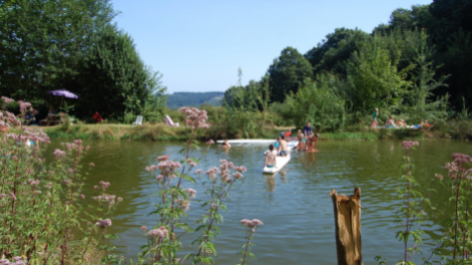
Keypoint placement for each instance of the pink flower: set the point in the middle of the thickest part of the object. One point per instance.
(38, 192)
(82, 196)
(103, 223)
(191, 192)
(71, 170)
(241, 169)
(104, 184)
(440, 177)
(198, 171)
(237, 175)
(13, 196)
(159, 178)
(163, 158)
(119, 199)
(407, 145)
(3, 195)
(67, 181)
(91, 164)
(96, 187)
(143, 228)
(59, 153)
(210, 142)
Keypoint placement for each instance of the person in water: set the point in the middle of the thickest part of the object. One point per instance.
(283, 146)
(226, 144)
(307, 129)
(301, 140)
(374, 123)
(311, 142)
(277, 144)
(270, 159)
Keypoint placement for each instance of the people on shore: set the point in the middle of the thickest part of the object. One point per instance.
(374, 123)
(390, 122)
(270, 160)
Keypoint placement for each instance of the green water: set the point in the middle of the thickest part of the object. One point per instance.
(294, 205)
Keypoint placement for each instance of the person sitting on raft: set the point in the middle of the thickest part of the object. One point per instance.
(270, 159)
(283, 146)
(226, 144)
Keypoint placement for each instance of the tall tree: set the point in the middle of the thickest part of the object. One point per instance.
(287, 73)
(375, 80)
(42, 41)
(112, 79)
(330, 54)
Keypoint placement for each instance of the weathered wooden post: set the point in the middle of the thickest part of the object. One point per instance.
(347, 220)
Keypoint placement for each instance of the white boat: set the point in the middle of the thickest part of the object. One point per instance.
(281, 161)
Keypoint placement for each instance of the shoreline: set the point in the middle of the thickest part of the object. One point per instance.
(162, 132)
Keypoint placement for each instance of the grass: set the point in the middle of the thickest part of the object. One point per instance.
(162, 132)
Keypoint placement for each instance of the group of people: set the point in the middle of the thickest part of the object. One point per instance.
(400, 123)
(307, 139)
(279, 148)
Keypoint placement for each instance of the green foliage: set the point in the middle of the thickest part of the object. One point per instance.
(330, 55)
(316, 102)
(72, 44)
(287, 73)
(375, 80)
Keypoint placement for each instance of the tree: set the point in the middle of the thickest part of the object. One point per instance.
(113, 80)
(287, 73)
(43, 41)
(374, 78)
(332, 52)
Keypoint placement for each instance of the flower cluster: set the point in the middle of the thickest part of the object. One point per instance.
(457, 169)
(195, 118)
(103, 223)
(191, 192)
(251, 224)
(407, 145)
(160, 232)
(23, 105)
(18, 261)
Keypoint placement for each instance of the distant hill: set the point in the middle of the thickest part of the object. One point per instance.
(195, 99)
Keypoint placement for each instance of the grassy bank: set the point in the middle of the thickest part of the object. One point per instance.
(162, 132)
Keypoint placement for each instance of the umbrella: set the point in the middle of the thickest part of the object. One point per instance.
(63, 93)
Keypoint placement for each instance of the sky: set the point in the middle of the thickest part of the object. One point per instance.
(198, 45)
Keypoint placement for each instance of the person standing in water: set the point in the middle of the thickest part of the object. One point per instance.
(226, 144)
(307, 130)
(283, 146)
(270, 160)
(301, 140)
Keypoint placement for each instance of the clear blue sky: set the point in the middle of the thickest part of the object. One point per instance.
(198, 45)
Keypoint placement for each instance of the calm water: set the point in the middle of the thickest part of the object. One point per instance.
(294, 205)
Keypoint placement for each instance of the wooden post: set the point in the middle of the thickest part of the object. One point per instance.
(347, 221)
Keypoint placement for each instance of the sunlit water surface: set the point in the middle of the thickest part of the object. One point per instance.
(294, 205)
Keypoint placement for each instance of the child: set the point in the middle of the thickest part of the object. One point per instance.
(270, 159)
(301, 140)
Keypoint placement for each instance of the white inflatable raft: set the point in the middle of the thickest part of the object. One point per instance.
(248, 141)
(281, 161)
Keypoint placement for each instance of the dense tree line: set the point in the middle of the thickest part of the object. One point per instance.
(417, 65)
(47, 45)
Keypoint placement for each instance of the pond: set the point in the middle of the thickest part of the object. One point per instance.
(294, 205)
